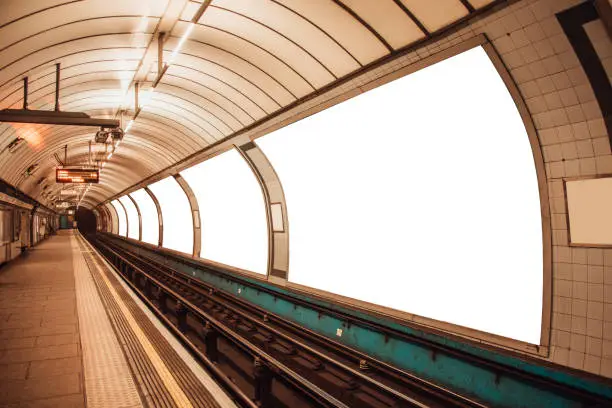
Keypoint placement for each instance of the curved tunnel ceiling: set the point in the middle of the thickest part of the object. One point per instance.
(242, 62)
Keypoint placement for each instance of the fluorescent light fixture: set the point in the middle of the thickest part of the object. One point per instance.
(146, 98)
(129, 125)
(83, 196)
(181, 42)
(109, 156)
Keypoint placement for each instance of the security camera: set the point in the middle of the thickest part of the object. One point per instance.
(101, 136)
(116, 134)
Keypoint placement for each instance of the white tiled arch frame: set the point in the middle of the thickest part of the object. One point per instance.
(139, 216)
(96, 214)
(537, 20)
(279, 243)
(104, 218)
(195, 214)
(542, 349)
(127, 222)
(272, 192)
(114, 224)
(160, 217)
(193, 202)
(109, 219)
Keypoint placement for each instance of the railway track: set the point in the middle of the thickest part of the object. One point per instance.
(267, 359)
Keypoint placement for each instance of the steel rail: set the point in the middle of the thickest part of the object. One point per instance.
(217, 373)
(346, 351)
(319, 354)
(315, 392)
(578, 393)
(408, 380)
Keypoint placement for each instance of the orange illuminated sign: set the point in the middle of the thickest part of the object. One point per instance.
(77, 176)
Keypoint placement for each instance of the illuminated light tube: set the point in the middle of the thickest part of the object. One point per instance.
(129, 125)
(181, 42)
(109, 156)
(146, 99)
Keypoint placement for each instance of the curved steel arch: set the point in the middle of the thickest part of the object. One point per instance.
(62, 43)
(61, 57)
(204, 100)
(268, 52)
(190, 68)
(238, 75)
(277, 33)
(171, 75)
(39, 11)
(331, 37)
(19, 89)
(46, 31)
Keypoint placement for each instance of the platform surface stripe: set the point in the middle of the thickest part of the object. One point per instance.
(184, 378)
(175, 390)
(108, 380)
(210, 384)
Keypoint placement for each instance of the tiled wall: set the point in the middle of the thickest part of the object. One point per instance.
(574, 141)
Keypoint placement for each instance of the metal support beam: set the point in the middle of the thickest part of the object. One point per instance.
(160, 54)
(136, 103)
(161, 74)
(57, 86)
(162, 68)
(201, 10)
(25, 93)
(127, 221)
(136, 90)
(54, 118)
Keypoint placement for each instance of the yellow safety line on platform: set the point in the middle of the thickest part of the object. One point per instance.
(107, 377)
(173, 388)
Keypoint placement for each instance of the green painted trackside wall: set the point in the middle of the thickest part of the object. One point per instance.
(462, 367)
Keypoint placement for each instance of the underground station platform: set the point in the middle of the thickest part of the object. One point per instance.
(96, 321)
(84, 339)
(306, 204)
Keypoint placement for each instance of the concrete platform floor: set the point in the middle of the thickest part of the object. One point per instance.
(73, 334)
(40, 352)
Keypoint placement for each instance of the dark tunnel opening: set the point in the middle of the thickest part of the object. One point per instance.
(86, 220)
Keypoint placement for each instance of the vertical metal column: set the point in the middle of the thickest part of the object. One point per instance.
(25, 93)
(57, 86)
